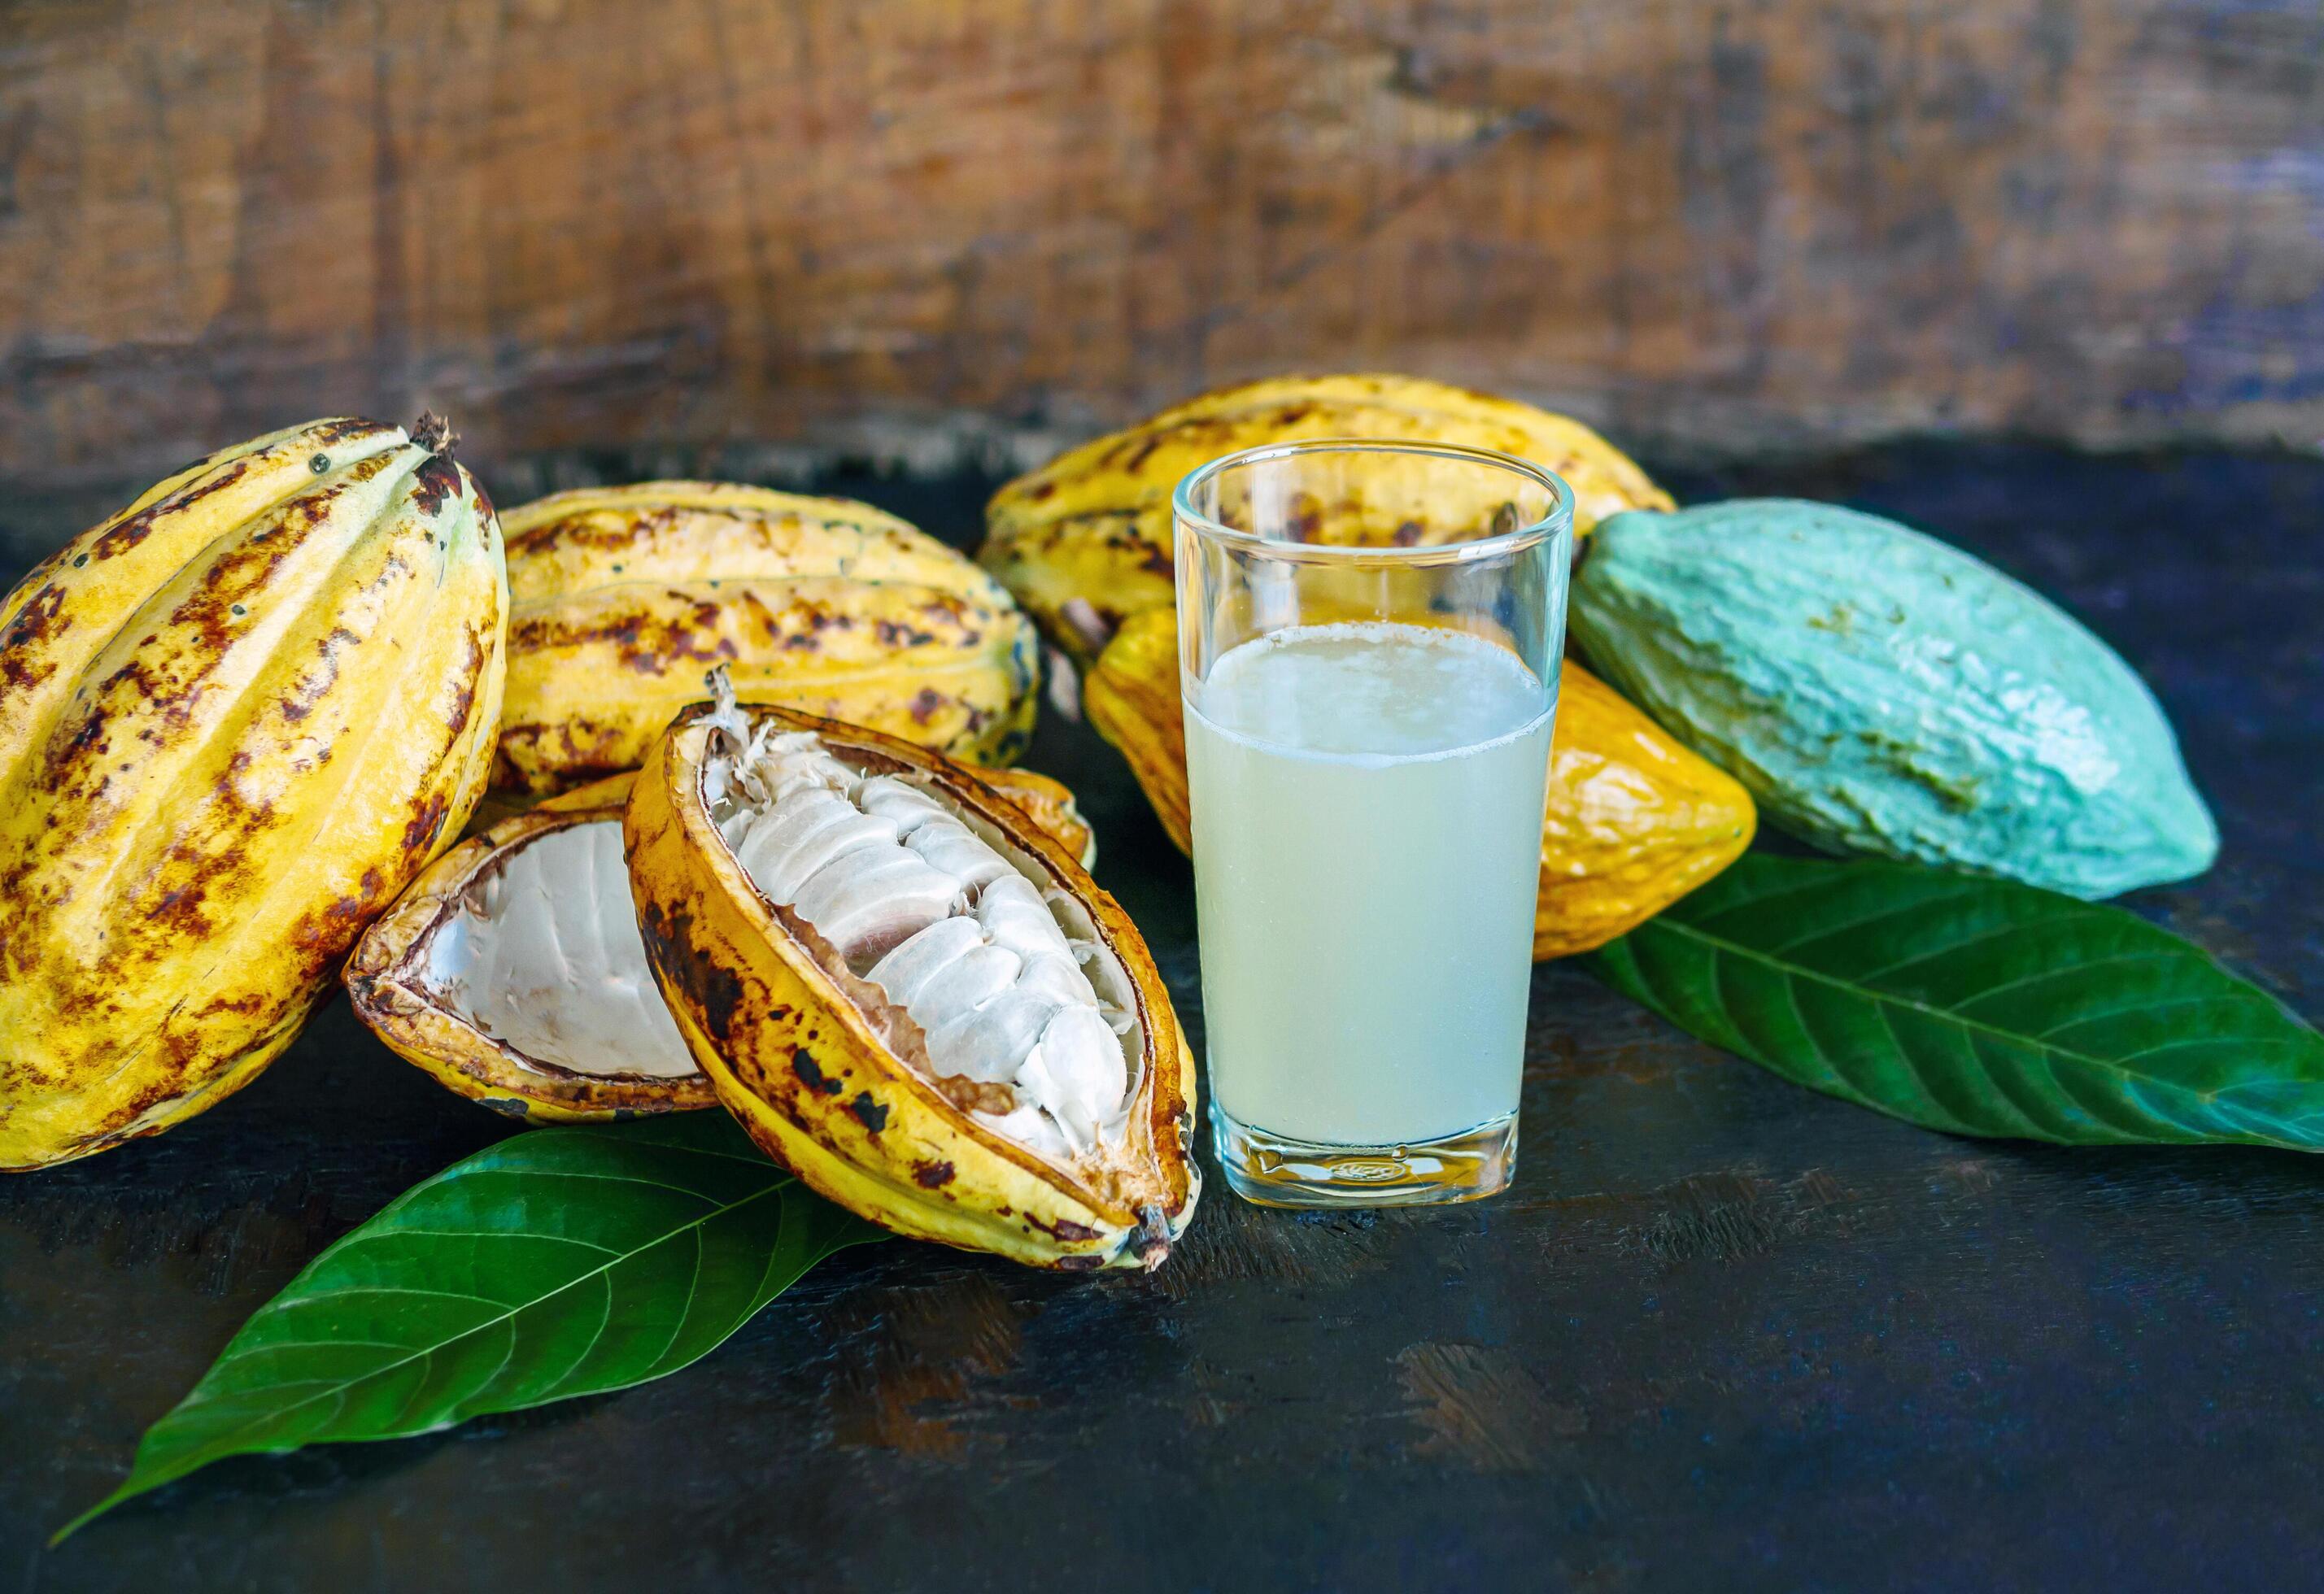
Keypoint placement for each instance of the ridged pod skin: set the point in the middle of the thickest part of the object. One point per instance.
(389, 984)
(1633, 820)
(1132, 695)
(1883, 693)
(625, 595)
(1085, 541)
(238, 717)
(1050, 805)
(808, 1074)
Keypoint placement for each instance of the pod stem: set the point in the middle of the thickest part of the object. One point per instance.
(726, 718)
(432, 432)
(1151, 1244)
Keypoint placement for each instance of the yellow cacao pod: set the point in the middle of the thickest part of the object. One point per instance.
(1085, 541)
(1050, 805)
(1633, 820)
(1132, 695)
(908, 994)
(511, 971)
(239, 716)
(625, 595)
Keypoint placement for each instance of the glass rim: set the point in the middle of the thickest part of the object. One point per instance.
(1517, 540)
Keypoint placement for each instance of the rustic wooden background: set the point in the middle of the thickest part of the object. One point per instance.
(921, 229)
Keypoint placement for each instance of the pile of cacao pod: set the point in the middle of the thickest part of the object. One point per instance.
(1871, 689)
(245, 723)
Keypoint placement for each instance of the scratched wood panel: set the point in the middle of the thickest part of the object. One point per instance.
(921, 228)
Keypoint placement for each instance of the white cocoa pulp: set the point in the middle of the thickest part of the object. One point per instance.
(543, 954)
(941, 912)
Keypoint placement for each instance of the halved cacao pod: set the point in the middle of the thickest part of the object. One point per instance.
(1633, 821)
(511, 969)
(873, 1050)
(238, 717)
(625, 595)
(1085, 541)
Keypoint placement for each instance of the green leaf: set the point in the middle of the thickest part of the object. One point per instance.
(559, 1262)
(1976, 1006)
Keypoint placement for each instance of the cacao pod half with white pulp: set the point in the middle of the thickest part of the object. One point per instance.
(511, 969)
(238, 717)
(910, 995)
(625, 595)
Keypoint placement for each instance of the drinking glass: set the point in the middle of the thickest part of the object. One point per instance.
(1368, 644)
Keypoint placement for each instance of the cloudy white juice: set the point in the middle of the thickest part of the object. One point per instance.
(1367, 817)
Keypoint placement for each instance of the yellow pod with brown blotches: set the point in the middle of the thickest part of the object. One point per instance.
(1085, 541)
(625, 595)
(239, 716)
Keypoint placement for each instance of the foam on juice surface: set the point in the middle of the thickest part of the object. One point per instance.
(1371, 688)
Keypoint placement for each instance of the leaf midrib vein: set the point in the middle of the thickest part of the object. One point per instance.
(1866, 920)
(399, 1233)
(1941, 1015)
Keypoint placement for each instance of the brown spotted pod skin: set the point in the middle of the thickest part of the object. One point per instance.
(811, 1061)
(1085, 542)
(235, 720)
(625, 595)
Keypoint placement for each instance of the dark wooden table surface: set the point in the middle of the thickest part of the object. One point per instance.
(1723, 1333)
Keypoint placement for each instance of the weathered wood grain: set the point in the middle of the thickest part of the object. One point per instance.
(921, 228)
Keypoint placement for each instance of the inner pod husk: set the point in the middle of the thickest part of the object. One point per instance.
(949, 935)
(544, 954)
(514, 972)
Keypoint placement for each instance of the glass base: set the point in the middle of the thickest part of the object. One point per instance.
(1275, 1171)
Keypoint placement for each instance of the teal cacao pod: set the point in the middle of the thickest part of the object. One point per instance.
(1882, 693)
